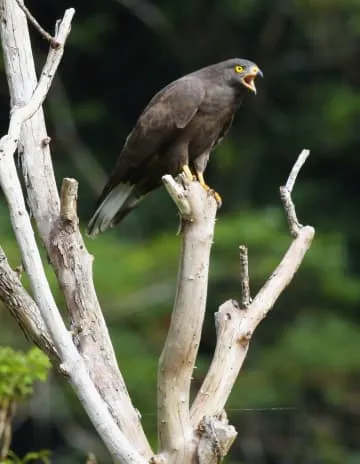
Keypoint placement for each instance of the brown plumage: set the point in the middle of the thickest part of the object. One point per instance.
(176, 132)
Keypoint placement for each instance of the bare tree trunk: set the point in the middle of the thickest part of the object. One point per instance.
(197, 433)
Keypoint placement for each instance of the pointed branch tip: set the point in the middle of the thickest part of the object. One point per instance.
(244, 277)
(286, 190)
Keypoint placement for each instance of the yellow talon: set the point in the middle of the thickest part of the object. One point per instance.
(209, 189)
(202, 180)
(217, 197)
(188, 173)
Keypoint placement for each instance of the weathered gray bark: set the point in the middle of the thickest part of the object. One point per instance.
(62, 239)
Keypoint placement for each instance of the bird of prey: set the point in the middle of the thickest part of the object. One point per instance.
(175, 133)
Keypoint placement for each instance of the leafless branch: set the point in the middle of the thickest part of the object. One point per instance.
(178, 357)
(286, 190)
(62, 239)
(235, 328)
(19, 114)
(73, 267)
(72, 362)
(24, 309)
(53, 42)
(244, 277)
(299, 163)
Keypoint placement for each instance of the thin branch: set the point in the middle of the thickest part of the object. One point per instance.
(235, 328)
(34, 150)
(293, 222)
(296, 169)
(178, 357)
(53, 42)
(244, 277)
(226, 363)
(9, 142)
(24, 309)
(286, 190)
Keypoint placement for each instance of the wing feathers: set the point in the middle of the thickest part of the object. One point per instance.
(167, 113)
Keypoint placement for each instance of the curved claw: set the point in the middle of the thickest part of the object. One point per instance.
(210, 191)
(216, 195)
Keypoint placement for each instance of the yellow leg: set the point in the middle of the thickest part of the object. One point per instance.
(187, 172)
(201, 179)
(208, 189)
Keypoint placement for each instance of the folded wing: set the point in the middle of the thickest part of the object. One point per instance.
(166, 115)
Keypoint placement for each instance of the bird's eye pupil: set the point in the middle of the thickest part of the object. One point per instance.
(239, 69)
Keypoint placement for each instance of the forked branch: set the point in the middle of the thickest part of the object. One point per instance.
(59, 233)
(286, 190)
(235, 326)
(52, 40)
(15, 44)
(208, 435)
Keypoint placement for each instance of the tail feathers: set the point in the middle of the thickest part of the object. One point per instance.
(113, 207)
(130, 204)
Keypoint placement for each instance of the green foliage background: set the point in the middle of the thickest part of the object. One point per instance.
(297, 398)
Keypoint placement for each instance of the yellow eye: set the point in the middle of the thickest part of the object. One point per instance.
(239, 69)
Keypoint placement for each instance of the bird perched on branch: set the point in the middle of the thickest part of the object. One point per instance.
(175, 133)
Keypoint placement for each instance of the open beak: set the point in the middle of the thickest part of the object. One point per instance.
(249, 79)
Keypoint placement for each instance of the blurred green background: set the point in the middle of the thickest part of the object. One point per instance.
(297, 399)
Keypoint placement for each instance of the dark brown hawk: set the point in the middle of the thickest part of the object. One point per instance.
(175, 133)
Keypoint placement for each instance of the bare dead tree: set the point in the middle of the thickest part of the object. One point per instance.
(188, 433)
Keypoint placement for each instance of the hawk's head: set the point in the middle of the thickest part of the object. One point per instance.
(239, 72)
